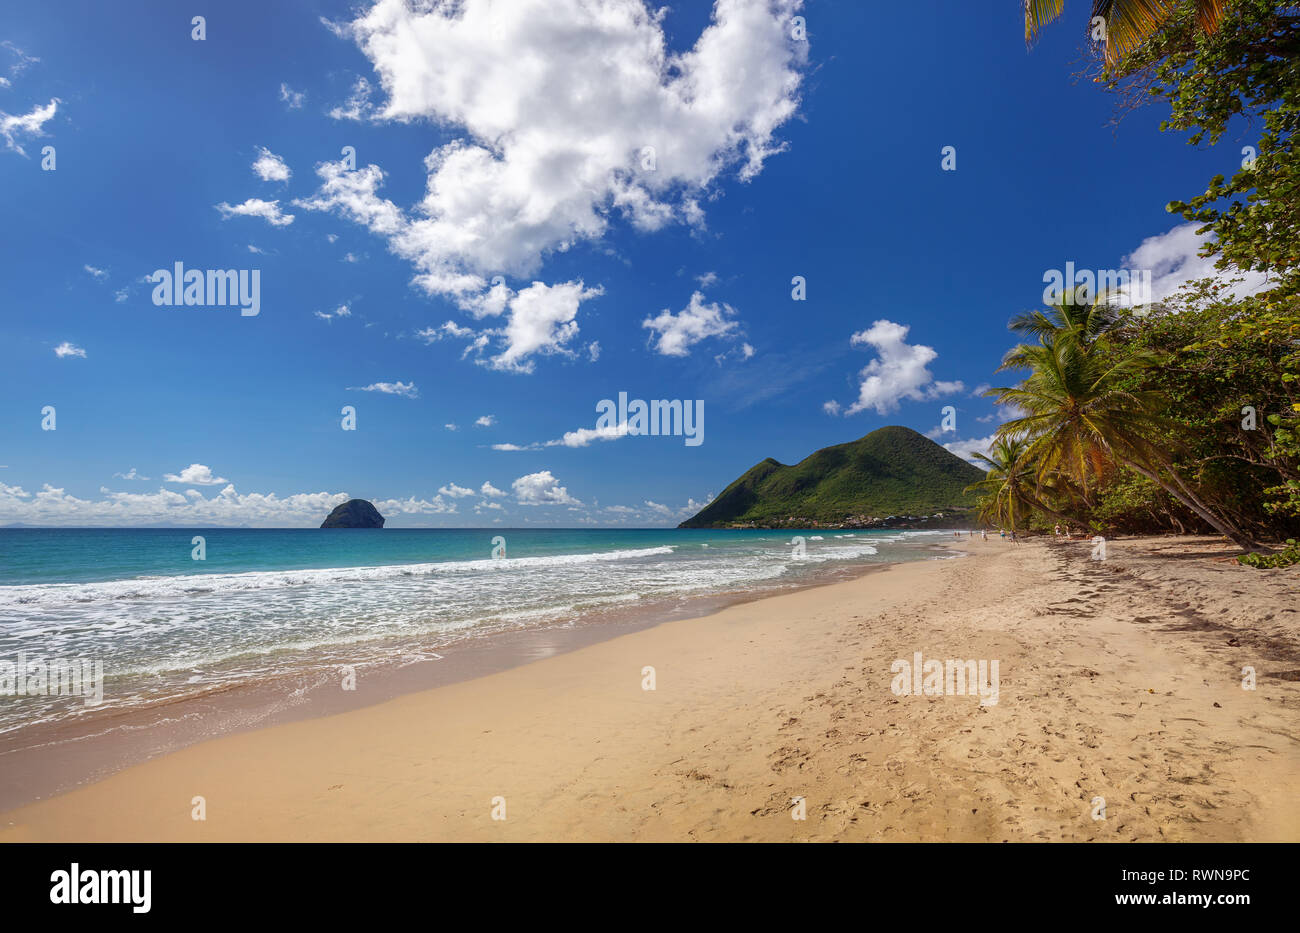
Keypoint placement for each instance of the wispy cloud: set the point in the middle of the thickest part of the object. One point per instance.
(404, 389)
(256, 207)
(15, 128)
(580, 437)
(23, 62)
(294, 99)
(358, 106)
(341, 311)
(65, 350)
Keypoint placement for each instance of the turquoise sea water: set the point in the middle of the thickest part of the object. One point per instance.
(267, 602)
(77, 555)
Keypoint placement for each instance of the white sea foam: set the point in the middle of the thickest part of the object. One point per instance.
(167, 636)
(25, 597)
(840, 553)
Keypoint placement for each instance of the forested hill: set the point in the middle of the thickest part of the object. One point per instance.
(892, 471)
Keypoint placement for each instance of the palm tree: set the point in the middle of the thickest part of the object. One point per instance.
(1076, 315)
(1008, 488)
(1128, 22)
(1080, 417)
(1004, 485)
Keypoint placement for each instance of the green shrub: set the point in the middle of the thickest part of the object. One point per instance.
(1281, 559)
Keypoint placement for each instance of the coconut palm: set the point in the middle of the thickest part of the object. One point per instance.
(1079, 309)
(1002, 489)
(1077, 315)
(1128, 22)
(1081, 415)
(1008, 489)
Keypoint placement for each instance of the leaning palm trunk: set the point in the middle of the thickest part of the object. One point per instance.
(1081, 407)
(1179, 490)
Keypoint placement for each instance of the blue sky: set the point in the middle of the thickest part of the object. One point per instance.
(511, 143)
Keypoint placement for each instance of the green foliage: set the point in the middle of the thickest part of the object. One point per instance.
(1012, 492)
(891, 471)
(1271, 561)
(1128, 503)
(1223, 359)
(1184, 416)
(1250, 67)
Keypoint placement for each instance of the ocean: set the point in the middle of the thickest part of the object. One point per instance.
(304, 603)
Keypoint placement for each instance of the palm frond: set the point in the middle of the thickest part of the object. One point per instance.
(1038, 13)
(1210, 13)
(1129, 23)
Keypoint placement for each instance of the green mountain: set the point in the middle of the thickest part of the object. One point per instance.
(892, 471)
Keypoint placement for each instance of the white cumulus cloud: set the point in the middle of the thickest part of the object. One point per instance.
(270, 167)
(567, 116)
(967, 448)
(541, 320)
(1173, 261)
(676, 333)
(455, 492)
(55, 506)
(900, 371)
(196, 474)
(541, 489)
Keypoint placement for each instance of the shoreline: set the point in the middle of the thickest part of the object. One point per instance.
(1110, 687)
(48, 759)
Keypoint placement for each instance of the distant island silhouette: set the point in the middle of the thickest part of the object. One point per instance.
(355, 513)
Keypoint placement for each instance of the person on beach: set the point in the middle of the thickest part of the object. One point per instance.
(984, 534)
(1002, 533)
(1056, 533)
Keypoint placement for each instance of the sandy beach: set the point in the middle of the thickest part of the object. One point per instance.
(1118, 679)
